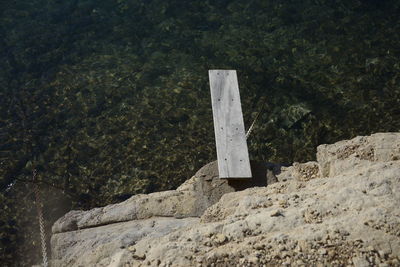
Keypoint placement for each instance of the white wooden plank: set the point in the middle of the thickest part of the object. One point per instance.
(230, 136)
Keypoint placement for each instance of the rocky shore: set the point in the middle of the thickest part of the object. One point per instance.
(343, 209)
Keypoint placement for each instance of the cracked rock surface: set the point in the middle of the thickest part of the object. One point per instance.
(343, 209)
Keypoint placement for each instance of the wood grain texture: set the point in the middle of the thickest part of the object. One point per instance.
(230, 136)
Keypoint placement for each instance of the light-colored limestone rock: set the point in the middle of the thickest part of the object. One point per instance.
(350, 215)
(345, 155)
(191, 199)
(108, 229)
(330, 216)
(105, 245)
(299, 171)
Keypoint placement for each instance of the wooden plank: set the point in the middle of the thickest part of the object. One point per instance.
(230, 136)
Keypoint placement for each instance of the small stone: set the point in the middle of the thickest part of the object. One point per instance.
(253, 259)
(322, 251)
(220, 238)
(344, 233)
(139, 256)
(259, 246)
(382, 254)
(282, 248)
(276, 213)
(283, 203)
(302, 245)
(210, 234)
(207, 244)
(395, 262)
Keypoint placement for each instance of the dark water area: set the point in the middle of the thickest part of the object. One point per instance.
(110, 98)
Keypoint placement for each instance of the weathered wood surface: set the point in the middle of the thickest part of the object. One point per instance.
(230, 136)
